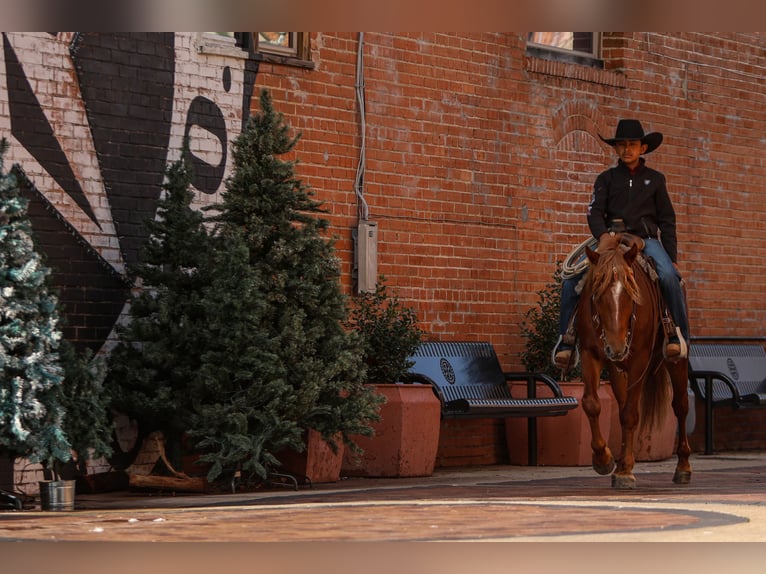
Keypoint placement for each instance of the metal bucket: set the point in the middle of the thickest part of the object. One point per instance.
(57, 494)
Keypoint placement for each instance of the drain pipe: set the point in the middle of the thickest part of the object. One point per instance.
(366, 233)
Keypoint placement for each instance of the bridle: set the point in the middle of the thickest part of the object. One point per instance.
(596, 320)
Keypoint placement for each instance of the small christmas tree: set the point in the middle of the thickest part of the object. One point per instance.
(85, 399)
(31, 412)
(154, 365)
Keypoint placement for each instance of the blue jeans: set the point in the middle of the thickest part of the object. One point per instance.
(670, 286)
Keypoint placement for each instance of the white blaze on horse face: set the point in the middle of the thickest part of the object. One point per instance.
(615, 337)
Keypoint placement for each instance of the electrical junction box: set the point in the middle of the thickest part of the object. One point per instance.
(367, 256)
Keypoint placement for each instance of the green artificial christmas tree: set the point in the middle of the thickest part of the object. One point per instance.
(280, 362)
(156, 361)
(31, 412)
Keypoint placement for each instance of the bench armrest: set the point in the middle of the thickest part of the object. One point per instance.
(708, 377)
(531, 380)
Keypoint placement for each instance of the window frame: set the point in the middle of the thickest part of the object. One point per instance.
(245, 45)
(293, 49)
(299, 55)
(549, 52)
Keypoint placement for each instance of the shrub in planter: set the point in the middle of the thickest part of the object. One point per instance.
(540, 329)
(389, 332)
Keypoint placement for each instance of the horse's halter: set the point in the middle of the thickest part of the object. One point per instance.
(596, 319)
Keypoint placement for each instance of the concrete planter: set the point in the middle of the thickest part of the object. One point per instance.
(406, 438)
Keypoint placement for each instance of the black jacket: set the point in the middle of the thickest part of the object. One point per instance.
(641, 200)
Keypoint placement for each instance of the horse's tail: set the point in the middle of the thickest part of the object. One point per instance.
(655, 398)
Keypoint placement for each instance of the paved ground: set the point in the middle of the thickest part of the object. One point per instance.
(726, 501)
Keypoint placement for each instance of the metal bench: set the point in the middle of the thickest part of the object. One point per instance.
(467, 378)
(732, 374)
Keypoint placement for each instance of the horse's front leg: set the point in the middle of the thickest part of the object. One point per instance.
(603, 460)
(627, 393)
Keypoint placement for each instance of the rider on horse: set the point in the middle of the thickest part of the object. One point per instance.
(633, 198)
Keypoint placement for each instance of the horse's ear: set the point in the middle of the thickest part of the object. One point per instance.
(592, 255)
(631, 254)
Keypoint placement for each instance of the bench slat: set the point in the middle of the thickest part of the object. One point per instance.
(509, 407)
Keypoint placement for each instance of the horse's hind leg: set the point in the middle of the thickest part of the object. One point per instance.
(679, 376)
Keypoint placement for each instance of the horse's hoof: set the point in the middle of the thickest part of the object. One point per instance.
(623, 481)
(682, 477)
(607, 467)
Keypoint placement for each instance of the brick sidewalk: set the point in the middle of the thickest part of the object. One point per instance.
(726, 500)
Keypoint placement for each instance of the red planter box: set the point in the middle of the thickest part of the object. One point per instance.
(406, 437)
(318, 462)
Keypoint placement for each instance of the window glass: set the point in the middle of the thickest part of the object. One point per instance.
(283, 42)
(580, 42)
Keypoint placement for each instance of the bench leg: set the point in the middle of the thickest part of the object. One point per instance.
(709, 416)
(532, 441)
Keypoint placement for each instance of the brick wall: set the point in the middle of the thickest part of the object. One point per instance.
(480, 164)
(93, 120)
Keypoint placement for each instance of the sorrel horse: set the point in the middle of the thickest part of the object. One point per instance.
(619, 325)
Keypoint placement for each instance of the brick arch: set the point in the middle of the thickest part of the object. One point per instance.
(579, 156)
(574, 117)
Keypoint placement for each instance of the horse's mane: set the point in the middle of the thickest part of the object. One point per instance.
(612, 266)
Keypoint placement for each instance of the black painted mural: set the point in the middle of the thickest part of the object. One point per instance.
(127, 83)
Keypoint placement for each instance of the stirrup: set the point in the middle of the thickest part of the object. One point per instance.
(574, 359)
(684, 354)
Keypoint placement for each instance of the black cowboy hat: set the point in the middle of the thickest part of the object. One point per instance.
(632, 130)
